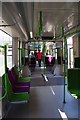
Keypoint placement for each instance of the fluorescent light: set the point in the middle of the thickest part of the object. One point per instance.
(31, 34)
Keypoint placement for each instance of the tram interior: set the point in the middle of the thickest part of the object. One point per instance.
(51, 90)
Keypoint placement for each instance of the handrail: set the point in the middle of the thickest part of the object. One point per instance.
(67, 33)
(1, 46)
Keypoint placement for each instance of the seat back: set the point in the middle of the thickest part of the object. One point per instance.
(74, 79)
(16, 70)
(11, 79)
(74, 82)
(17, 81)
(14, 74)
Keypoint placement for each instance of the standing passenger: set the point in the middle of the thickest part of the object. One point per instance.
(39, 57)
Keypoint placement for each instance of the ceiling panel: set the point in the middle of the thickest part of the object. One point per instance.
(11, 16)
(53, 16)
(25, 15)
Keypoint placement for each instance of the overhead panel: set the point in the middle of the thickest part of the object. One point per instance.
(54, 15)
(12, 17)
(26, 11)
(0, 13)
(29, 12)
(25, 16)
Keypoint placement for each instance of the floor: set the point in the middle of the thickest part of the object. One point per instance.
(46, 101)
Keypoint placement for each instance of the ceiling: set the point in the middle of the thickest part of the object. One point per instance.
(53, 16)
(23, 18)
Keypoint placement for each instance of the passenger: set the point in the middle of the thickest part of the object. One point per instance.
(39, 57)
(35, 53)
(32, 55)
(47, 53)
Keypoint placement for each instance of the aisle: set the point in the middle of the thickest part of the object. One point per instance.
(38, 80)
(36, 77)
(46, 102)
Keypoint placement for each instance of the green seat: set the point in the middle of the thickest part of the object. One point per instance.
(74, 82)
(11, 96)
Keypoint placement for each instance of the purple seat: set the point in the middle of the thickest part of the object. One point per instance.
(16, 81)
(16, 88)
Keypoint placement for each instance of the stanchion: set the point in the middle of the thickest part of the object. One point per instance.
(64, 48)
(5, 67)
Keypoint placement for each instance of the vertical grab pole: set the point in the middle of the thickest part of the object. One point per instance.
(24, 55)
(70, 57)
(44, 57)
(64, 66)
(28, 53)
(19, 54)
(61, 55)
(5, 65)
(64, 38)
(40, 25)
(40, 34)
(20, 57)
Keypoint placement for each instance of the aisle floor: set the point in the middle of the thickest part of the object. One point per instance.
(46, 102)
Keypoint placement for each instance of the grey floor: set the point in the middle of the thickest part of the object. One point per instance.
(45, 102)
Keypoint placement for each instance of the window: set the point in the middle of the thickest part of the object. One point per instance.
(5, 40)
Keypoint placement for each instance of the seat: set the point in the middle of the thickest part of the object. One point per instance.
(17, 87)
(15, 94)
(74, 82)
(20, 79)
